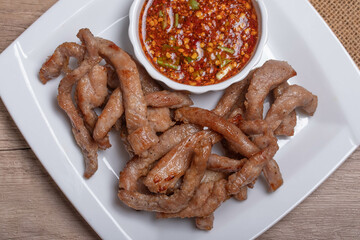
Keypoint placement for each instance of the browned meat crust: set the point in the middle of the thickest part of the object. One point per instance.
(60, 59)
(112, 78)
(231, 96)
(265, 78)
(159, 119)
(253, 127)
(141, 136)
(224, 164)
(272, 173)
(172, 166)
(82, 136)
(168, 99)
(218, 124)
(294, 96)
(287, 126)
(239, 141)
(139, 166)
(111, 113)
(251, 170)
(148, 84)
(179, 200)
(206, 200)
(205, 223)
(242, 195)
(91, 92)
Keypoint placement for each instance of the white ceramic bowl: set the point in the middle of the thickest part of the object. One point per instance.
(134, 15)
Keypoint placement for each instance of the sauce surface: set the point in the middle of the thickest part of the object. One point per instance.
(198, 42)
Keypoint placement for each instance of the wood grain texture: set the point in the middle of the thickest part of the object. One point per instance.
(32, 206)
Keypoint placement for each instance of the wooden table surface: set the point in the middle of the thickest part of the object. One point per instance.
(33, 207)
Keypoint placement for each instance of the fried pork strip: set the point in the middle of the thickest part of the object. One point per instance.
(166, 173)
(288, 124)
(230, 132)
(206, 200)
(218, 124)
(294, 96)
(251, 170)
(139, 166)
(82, 136)
(112, 111)
(205, 223)
(91, 92)
(148, 84)
(270, 75)
(141, 136)
(192, 178)
(59, 60)
(242, 195)
(232, 96)
(224, 164)
(159, 119)
(168, 99)
(168, 170)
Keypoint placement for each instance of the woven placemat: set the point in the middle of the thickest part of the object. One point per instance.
(343, 17)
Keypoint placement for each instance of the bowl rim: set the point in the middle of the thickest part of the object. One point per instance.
(140, 55)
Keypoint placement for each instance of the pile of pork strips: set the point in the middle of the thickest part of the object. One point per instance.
(172, 171)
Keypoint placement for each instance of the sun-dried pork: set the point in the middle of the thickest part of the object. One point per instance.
(168, 99)
(82, 136)
(139, 166)
(60, 59)
(111, 113)
(141, 136)
(159, 119)
(288, 124)
(265, 78)
(179, 200)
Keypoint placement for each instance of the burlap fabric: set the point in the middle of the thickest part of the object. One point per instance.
(343, 17)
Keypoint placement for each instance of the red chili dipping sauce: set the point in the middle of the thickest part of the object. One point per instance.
(198, 42)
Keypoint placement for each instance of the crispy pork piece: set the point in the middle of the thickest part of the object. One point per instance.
(267, 77)
(169, 170)
(112, 78)
(218, 124)
(168, 99)
(172, 166)
(253, 127)
(181, 197)
(287, 126)
(60, 59)
(207, 199)
(111, 113)
(82, 136)
(236, 114)
(91, 92)
(212, 176)
(148, 84)
(225, 164)
(272, 173)
(138, 167)
(205, 223)
(294, 96)
(159, 119)
(251, 170)
(242, 195)
(141, 136)
(232, 96)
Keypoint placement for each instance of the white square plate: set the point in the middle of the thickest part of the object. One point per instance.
(296, 34)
